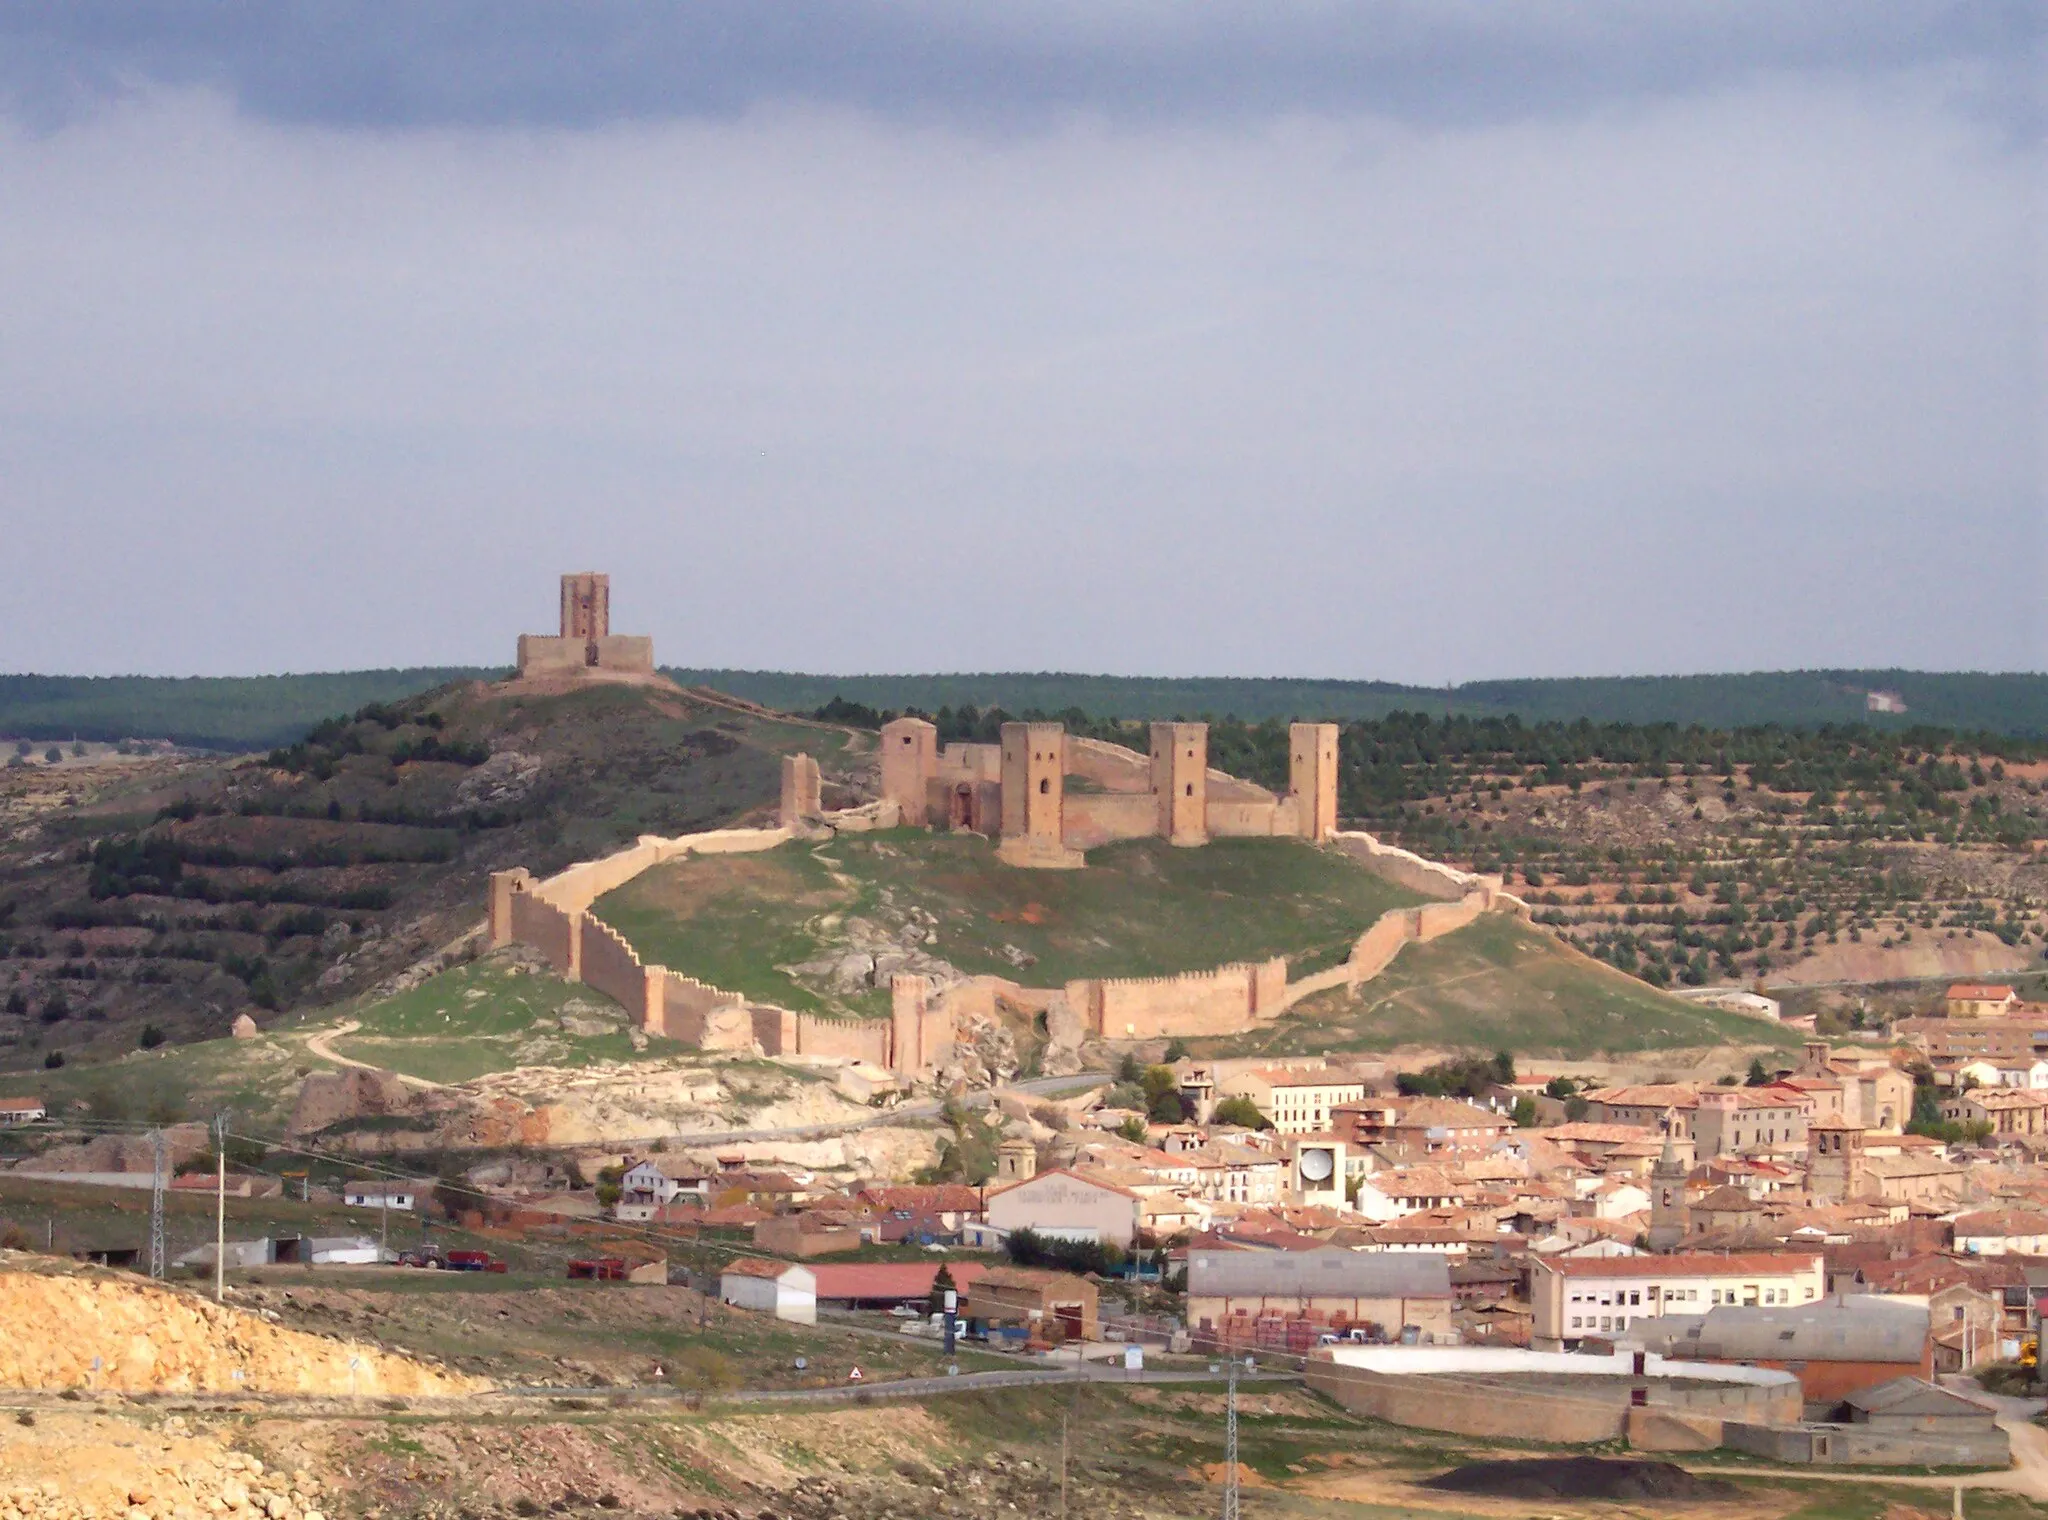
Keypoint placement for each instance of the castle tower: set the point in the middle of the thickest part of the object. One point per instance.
(910, 763)
(586, 645)
(586, 607)
(1034, 761)
(802, 792)
(1180, 781)
(1312, 778)
(1670, 1217)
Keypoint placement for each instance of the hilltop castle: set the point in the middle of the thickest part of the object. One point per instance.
(1018, 790)
(586, 646)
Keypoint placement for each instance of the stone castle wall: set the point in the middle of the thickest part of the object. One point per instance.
(613, 968)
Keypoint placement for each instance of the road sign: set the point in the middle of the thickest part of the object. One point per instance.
(854, 1376)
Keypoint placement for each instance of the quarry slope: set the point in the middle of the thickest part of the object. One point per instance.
(68, 1327)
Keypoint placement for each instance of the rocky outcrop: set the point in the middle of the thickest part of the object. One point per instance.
(328, 1097)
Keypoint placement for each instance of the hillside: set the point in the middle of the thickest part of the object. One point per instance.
(1997, 703)
(157, 897)
(818, 926)
(1502, 985)
(257, 712)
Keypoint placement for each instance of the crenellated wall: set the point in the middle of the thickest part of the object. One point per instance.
(1223, 1001)
(611, 966)
(555, 934)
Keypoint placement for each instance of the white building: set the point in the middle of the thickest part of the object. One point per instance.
(21, 1111)
(781, 1288)
(404, 1197)
(1576, 1298)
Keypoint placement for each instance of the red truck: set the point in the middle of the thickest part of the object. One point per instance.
(599, 1269)
(473, 1261)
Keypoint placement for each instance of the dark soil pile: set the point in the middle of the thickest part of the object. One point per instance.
(1581, 1478)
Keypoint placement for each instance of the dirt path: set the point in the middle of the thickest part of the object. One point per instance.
(316, 1044)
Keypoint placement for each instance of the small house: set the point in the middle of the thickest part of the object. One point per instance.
(780, 1288)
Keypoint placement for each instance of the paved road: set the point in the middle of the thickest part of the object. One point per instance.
(904, 1388)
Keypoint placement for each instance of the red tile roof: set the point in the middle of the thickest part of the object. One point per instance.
(1980, 991)
(889, 1279)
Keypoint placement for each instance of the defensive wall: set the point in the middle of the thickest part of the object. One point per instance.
(1500, 1392)
(1042, 823)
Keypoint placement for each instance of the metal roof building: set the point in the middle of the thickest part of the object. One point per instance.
(1330, 1273)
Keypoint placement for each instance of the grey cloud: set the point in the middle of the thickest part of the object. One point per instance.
(543, 63)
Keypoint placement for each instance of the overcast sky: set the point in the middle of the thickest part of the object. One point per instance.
(1422, 342)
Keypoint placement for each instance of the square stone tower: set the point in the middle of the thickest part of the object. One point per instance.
(586, 607)
(1034, 765)
(910, 762)
(1312, 778)
(1180, 781)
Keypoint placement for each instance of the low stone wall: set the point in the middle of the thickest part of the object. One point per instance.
(1865, 1446)
(1469, 1408)
(1569, 1408)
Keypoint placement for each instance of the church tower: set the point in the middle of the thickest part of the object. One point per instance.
(1669, 1216)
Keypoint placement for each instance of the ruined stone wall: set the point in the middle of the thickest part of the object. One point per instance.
(701, 1015)
(971, 762)
(1098, 818)
(802, 792)
(541, 655)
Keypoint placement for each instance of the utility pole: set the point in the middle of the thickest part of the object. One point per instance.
(220, 1209)
(1063, 1465)
(156, 1203)
(1230, 1507)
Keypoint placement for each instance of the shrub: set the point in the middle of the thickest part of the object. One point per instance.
(53, 1060)
(151, 1037)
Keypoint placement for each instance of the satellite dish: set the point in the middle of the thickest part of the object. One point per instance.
(1317, 1165)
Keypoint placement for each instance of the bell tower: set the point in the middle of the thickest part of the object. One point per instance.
(1669, 1215)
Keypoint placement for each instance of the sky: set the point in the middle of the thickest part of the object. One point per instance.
(1424, 342)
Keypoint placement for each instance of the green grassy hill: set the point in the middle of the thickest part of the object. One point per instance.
(1142, 908)
(1502, 985)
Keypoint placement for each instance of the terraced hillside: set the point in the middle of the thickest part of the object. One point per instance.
(151, 899)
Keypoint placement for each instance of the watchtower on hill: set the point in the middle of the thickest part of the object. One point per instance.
(586, 645)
